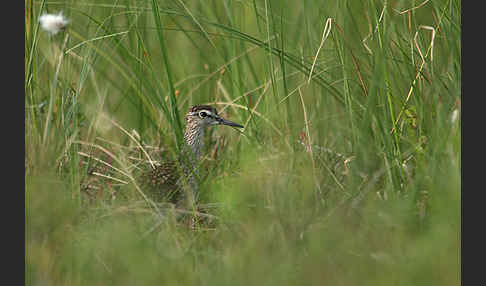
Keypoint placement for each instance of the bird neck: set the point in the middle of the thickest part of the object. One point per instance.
(193, 137)
(191, 152)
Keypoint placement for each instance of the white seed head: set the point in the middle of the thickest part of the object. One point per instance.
(454, 115)
(53, 23)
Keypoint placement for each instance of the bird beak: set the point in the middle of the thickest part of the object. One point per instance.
(229, 123)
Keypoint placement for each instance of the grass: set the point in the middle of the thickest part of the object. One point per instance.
(347, 171)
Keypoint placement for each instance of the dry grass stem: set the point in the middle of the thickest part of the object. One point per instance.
(411, 9)
(429, 50)
(325, 34)
(134, 140)
(376, 28)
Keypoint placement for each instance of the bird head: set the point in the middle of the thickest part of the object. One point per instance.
(206, 115)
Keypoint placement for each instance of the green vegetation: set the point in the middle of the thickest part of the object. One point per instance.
(349, 178)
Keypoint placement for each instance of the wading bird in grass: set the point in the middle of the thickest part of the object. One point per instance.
(179, 179)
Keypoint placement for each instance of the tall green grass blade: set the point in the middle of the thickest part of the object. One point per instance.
(174, 113)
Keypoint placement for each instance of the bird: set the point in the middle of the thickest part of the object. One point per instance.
(175, 180)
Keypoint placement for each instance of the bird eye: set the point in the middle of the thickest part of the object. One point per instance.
(203, 114)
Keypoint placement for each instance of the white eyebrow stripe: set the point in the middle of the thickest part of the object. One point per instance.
(210, 114)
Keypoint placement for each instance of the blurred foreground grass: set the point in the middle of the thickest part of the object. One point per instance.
(351, 178)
